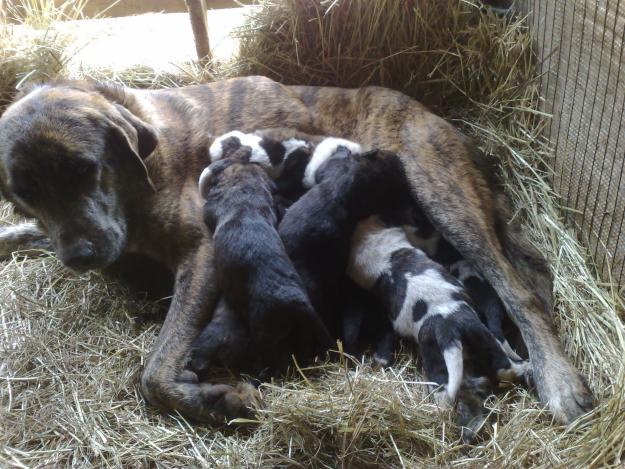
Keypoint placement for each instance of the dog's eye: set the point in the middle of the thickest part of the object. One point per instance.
(80, 174)
(83, 169)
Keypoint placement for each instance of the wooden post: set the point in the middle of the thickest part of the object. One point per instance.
(197, 13)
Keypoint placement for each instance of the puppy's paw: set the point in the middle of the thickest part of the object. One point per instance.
(324, 150)
(519, 371)
(188, 376)
(442, 399)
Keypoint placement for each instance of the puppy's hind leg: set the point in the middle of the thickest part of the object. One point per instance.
(26, 238)
(441, 351)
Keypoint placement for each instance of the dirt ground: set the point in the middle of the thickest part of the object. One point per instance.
(161, 41)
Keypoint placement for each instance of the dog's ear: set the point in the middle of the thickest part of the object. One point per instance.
(134, 135)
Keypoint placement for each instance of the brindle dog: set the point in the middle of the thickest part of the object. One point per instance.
(108, 171)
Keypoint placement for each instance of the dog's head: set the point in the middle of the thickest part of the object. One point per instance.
(69, 157)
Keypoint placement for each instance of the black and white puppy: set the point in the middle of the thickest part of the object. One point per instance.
(485, 300)
(258, 281)
(427, 304)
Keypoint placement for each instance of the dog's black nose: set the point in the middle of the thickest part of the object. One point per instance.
(78, 255)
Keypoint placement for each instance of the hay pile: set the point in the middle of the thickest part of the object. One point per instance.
(71, 353)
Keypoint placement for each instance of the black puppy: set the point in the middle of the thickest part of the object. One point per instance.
(317, 229)
(225, 342)
(259, 283)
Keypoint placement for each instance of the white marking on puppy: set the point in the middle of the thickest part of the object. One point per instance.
(324, 150)
(455, 365)
(371, 245)
(259, 155)
(205, 181)
(431, 287)
(453, 357)
(292, 144)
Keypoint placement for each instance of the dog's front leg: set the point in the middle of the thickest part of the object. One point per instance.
(164, 381)
(25, 237)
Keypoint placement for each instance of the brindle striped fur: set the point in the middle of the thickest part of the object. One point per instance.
(167, 223)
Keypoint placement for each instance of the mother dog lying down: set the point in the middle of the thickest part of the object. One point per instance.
(108, 171)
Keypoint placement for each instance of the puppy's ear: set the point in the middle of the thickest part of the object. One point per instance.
(134, 135)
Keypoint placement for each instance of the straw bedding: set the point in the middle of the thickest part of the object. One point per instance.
(71, 347)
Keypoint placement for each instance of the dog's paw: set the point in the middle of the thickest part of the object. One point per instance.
(238, 401)
(201, 402)
(564, 391)
(324, 150)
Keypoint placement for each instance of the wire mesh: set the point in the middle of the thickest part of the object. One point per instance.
(579, 44)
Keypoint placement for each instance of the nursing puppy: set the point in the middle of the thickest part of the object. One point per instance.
(427, 304)
(422, 235)
(317, 228)
(365, 326)
(253, 270)
(288, 157)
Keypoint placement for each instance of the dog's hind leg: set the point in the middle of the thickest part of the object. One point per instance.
(460, 205)
(25, 238)
(164, 381)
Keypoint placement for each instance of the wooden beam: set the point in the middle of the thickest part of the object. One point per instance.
(197, 13)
